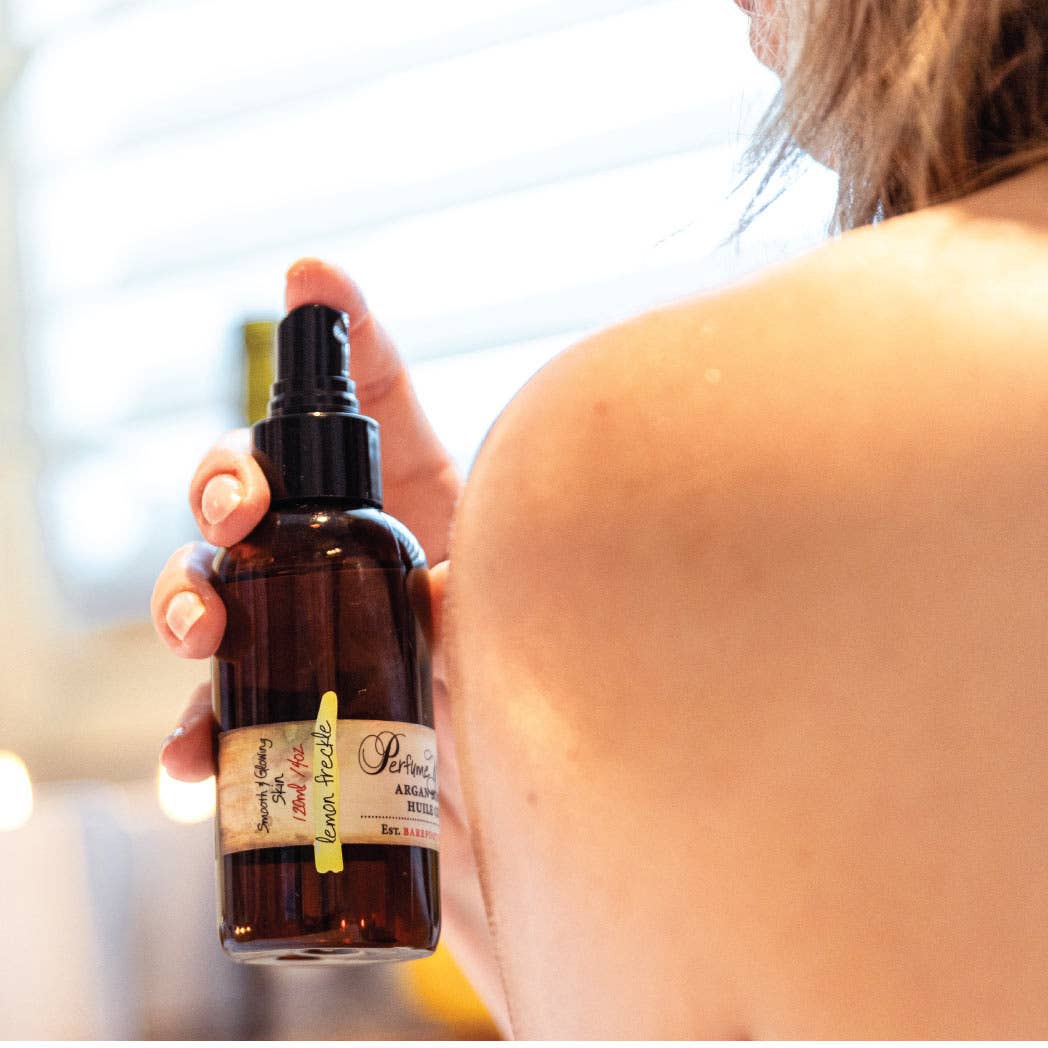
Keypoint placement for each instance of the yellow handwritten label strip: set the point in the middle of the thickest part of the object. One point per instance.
(380, 778)
(327, 848)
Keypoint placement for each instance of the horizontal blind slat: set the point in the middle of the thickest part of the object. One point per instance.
(570, 255)
(218, 61)
(109, 563)
(419, 141)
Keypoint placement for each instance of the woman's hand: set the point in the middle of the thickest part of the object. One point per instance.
(229, 496)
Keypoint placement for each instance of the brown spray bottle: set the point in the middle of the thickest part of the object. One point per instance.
(328, 818)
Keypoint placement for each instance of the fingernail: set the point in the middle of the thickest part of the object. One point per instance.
(222, 495)
(176, 734)
(182, 613)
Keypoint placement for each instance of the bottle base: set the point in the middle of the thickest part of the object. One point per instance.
(284, 952)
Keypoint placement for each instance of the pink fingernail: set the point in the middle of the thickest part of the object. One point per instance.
(222, 495)
(176, 734)
(182, 613)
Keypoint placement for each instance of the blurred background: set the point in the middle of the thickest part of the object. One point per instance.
(500, 176)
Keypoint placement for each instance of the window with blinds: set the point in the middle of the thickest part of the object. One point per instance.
(500, 177)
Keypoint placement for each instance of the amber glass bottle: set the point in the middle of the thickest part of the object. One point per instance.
(328, 816)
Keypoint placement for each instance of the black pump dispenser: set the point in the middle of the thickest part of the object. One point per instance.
(314, 443)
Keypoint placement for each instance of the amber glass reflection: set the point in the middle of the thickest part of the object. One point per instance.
(325, 598)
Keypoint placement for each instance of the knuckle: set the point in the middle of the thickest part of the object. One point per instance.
(183, 553)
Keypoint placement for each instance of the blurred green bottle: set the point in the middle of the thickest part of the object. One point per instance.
(259, 340)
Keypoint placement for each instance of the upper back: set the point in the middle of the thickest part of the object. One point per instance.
(749, 598)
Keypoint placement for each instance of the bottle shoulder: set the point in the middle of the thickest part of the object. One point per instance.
(305, 536)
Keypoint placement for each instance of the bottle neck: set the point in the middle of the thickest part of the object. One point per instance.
(319, 504)
(320, 455)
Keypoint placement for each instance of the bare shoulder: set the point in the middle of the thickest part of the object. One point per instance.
(882, 360)
(751, 590)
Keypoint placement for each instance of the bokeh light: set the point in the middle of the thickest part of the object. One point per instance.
(16, 792)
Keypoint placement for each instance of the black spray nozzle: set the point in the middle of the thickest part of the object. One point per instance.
(314, 443)
(313, 363)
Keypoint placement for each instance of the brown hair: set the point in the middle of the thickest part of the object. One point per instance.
(912, 102)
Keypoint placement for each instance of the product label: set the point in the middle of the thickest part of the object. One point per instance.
(328, 782)
(327, 848)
